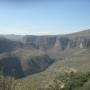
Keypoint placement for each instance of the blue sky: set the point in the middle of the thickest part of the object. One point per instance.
(44, 16)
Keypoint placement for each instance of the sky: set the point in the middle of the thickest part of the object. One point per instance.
(44, 17)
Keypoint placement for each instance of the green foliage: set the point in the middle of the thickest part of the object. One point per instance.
(86, 86)
(76, 80)
(70, 81)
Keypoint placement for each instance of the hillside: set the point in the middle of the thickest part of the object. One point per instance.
(36, 60)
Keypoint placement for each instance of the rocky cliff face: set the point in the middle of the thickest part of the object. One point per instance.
(61, 42)
(39, 42)
(78, 40)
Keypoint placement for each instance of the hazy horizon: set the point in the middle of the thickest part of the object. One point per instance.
(44, 17)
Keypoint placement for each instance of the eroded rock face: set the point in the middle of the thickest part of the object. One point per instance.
(81, 42)
(39, 42)
(62, 42)
(45, 43)
(68, 43)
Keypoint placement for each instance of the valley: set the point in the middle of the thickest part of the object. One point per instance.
(35, 61)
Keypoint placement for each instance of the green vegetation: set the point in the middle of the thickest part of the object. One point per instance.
(69, 81)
